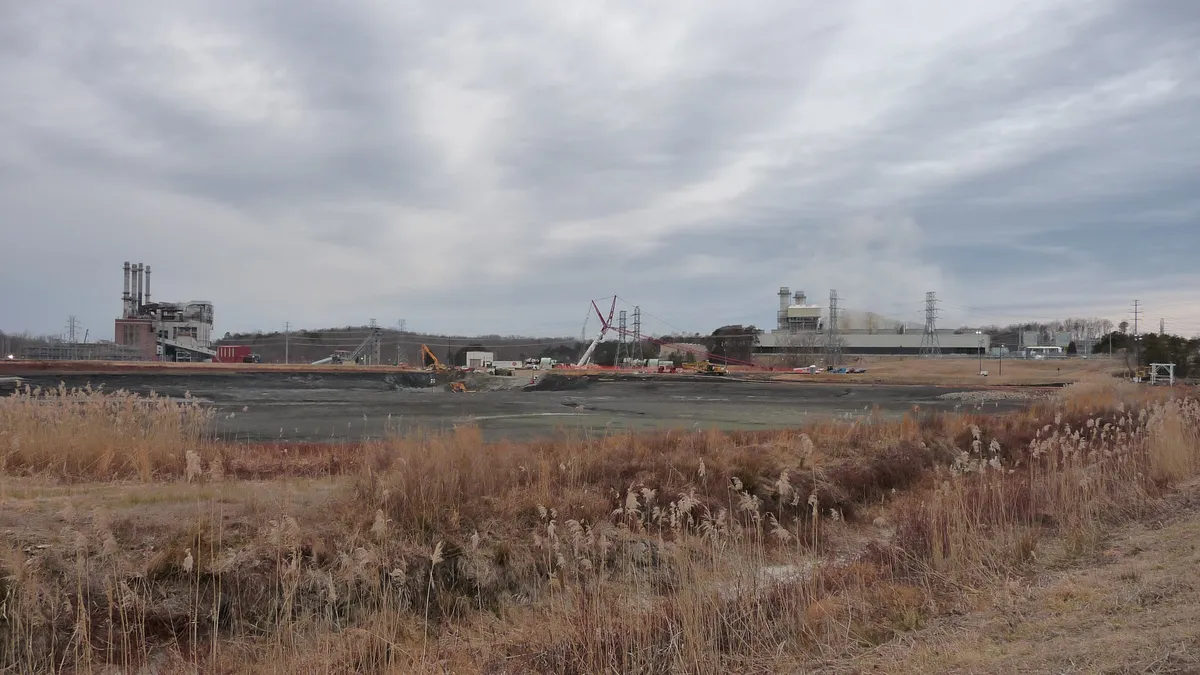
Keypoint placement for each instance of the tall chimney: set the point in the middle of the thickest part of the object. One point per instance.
(147, 284)
(138, 276)
(800, 298)
(784, 294)
(125, 295)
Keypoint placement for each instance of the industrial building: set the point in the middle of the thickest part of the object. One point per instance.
(162, 331)
(802, 330)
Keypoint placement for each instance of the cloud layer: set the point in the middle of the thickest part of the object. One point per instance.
(482, 167)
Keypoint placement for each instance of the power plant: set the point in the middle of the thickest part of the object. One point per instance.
(804, 329)
(162, 331)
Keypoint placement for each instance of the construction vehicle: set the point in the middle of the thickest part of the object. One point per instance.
(706, 368)
(361, 353)
(337, 358)
(437, 363)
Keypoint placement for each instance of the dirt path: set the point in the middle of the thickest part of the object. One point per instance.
(1134, 609)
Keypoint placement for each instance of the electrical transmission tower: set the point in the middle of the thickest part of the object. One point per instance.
(373, 353)
(929, 340)
(833, 350)
(1162, 326)
(637, 333)
(401, 350)
(72, 335)
(622, 347)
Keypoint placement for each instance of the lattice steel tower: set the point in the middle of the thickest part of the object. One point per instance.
(622, 346)
(637, 333)
(833, 350)
(373, 354)
(929, 340)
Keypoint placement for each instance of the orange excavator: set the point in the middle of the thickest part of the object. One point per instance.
(437, 365)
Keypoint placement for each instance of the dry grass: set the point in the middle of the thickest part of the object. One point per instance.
(82, 434)
(657, 553)
(1130, 609)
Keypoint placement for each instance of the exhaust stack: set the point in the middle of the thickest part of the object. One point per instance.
(138, 276)
(125, 311)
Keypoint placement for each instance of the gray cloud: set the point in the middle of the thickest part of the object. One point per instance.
(474, 167)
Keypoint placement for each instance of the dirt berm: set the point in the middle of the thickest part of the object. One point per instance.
(552, 382)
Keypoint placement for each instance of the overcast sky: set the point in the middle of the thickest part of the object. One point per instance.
(487, 166)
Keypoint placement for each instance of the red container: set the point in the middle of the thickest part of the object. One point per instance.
(233, 353)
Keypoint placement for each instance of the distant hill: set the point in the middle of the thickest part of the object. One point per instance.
(306, 346)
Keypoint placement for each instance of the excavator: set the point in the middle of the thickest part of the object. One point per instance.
(437, 363)
(456, 387)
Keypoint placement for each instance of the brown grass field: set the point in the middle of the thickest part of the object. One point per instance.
(1057, 539)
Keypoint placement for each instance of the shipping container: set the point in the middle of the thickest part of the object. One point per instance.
(233, 353)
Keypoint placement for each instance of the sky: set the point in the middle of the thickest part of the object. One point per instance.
(482, 167)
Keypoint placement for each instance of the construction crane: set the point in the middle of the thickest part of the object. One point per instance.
(605, 325)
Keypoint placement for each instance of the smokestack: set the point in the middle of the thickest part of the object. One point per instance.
(138, 276)
(125, 295)
(147, 284)
(800, 299)
(784, 293)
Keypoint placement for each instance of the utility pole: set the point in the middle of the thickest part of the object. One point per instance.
(980, 334)
(287, 335)
(1137, 347)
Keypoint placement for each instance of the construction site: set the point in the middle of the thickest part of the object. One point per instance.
(811, 364)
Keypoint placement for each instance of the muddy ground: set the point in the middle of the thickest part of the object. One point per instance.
(308, 407)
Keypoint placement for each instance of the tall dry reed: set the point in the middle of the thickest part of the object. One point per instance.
(670, 552)
(85, 434)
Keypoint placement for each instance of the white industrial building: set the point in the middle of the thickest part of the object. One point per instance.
(480, 359)
(803, 329)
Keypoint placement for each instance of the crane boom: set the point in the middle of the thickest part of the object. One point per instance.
(605, 325)
(437, 363)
